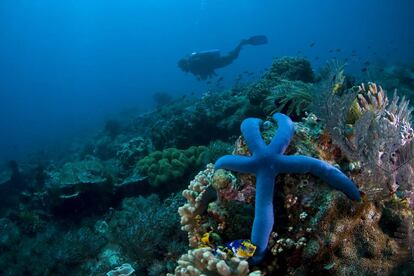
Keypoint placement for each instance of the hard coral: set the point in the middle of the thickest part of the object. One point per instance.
(172, 164)
(203, 261)
(291, 68)
(131, 151)
(199, 194)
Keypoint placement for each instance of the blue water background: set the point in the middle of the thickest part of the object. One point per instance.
(68, 65)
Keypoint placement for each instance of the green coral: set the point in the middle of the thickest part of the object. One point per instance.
(172, 164)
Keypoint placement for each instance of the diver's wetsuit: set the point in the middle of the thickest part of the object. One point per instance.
(203, 64)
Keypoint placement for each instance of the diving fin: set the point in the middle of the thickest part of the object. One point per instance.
(257, 40)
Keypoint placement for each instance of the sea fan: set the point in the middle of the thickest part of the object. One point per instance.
(379, 135)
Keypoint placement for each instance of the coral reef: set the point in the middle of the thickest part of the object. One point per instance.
(184, 125)
(148, 230)
(198, 197)
(283, 70)
(203, 260)
(107, 203)
(169, 165)
(135, 234)
(86, 172)
(318, 229)
(290, 68)
(131, 151)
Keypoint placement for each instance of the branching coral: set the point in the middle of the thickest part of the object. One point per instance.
(203, 261)
(198, 195)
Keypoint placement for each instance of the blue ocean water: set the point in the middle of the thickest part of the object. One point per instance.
(67, 66)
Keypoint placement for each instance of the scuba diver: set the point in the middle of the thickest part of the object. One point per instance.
(202, 64)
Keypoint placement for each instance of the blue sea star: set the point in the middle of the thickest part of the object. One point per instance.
(269, 160)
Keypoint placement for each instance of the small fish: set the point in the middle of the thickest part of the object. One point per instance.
(338, 50)
(299, 52)
(242, 248)
(346, 59)
(330, 51)
(220, 79)
(317, 58)
(208, 82)
(364, 69)
(366, 63)
(312, 44)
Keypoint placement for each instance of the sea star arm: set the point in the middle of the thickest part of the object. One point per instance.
(328, 173)
(283, 135)
(236, 163)
(250, 128)
(263, 213)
